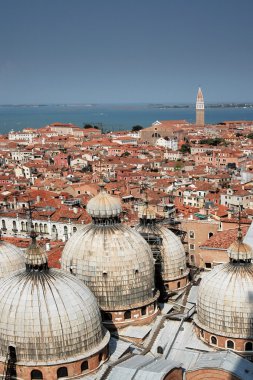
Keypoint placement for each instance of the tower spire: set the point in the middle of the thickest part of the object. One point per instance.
(200, 109)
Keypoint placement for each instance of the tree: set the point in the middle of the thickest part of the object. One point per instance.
(185, 148)
(89, 126)
(137, 128)
(125, 154)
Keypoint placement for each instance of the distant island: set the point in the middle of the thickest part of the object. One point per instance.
(211, 105)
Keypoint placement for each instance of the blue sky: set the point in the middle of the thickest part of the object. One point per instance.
(117, 51)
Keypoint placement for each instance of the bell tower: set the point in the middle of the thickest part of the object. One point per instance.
(200, 109)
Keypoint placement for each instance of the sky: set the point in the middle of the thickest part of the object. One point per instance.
(125, 51)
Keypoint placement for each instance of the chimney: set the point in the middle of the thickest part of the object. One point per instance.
(48, 247)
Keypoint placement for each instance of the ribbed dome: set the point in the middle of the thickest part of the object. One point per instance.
(104, 205)
(114, 261)
(11, 259)
(172, 250)
(50, 317)
(224, 304)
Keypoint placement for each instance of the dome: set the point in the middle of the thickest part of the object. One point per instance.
(224, 304)
(104, 205)
(114, 261)
(48, 316)
(240, 251)
(172, 250)
(11, 259)
(146, 212)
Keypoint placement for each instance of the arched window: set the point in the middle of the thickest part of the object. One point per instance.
(41, 228)
(230, 344)
(65, 230)
(159, 350)
(36, 374)
(210, 234)
(178, 284)
(62, 372)
(127, 314)
(213, 340)
(249, 346)
(22, 226)
(143, 310)
(45, 229)
(107, 316)
(14, 225)
(3, 225)
(74, 230)
(84, 366)
(36, 227)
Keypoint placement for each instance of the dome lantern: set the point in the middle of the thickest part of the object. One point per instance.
(35, 256)
(104, 208)
(240, 252)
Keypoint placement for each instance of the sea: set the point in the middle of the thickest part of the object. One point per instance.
(110, 117)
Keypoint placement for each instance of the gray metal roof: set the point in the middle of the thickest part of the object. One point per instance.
(135, 331)
(142, 368)
(227, 361)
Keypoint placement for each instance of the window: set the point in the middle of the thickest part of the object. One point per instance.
(159, 350)
(3, 225)
(107, 316)
(249, 346)
(210, 234)
(84, 366)
(192, 246)
(213, 340)
(192, 259)
(191, 234)
(127, 314)
(36, 374)
(208, 265)
(143, 310)
(230, 344)
(62, 372)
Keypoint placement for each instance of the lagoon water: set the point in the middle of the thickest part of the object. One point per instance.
(110, 117)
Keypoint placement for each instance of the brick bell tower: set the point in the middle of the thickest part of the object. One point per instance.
(200, 109)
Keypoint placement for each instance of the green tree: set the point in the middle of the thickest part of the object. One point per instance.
(185, 148)
(137, 128)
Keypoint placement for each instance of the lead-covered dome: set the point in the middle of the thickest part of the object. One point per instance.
(224, 305)
(114, 261)
(171, 250)
(11, 259)
(104, 205)
(49, 316)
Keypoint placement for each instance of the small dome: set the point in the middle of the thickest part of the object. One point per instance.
(11, 259)
(35, 255)
(114, 261)
(146, 212)
(224, 305)
(49, 317)
(104, 205)
(240, 251)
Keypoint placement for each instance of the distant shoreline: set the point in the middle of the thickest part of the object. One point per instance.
(148, 105)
